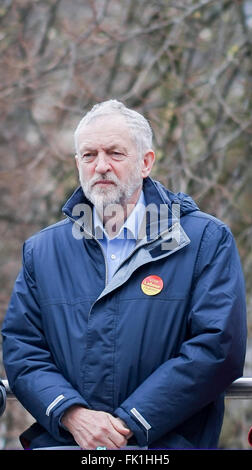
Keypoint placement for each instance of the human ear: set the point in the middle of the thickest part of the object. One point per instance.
(147, 163)
(77, 161)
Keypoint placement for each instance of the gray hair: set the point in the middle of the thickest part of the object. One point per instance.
(138, 126)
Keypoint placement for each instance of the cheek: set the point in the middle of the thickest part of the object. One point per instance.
(124, 172)
(86, 172)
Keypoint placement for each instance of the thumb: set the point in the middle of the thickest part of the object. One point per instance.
(119, 425)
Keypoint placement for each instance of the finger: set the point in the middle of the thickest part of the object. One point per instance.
(105, 435)
(117, 438)
(119, 425)
(115, 435)
(100, 432)
(116, 442)
(109, 441)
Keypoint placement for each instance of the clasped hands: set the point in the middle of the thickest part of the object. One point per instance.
(91, 429)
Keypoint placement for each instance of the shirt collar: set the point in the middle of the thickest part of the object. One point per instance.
(131, 224)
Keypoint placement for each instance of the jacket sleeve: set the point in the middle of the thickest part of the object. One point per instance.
(32, 374)
(212, 355)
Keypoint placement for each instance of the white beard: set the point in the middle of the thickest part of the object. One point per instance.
(118, 193)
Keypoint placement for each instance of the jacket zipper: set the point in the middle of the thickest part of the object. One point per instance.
(139, 246)
(104, 257)
(105, 261)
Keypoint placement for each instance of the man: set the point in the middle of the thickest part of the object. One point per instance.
(126, 324)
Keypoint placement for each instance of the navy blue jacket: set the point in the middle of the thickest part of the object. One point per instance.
(160, 362)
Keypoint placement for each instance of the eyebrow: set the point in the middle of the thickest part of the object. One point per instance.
(117, 146)
(87, 148)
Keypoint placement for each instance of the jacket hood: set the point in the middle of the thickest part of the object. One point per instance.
(154, 192)
(185, 202)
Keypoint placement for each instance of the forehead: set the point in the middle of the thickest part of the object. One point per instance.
(105, 131)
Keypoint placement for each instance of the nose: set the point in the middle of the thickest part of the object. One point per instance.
(102, 164)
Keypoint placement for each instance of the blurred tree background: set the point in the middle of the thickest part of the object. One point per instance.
(185, 64)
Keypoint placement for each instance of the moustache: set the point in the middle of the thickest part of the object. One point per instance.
(111, 179)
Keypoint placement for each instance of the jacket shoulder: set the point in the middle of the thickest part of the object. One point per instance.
(45, 232)
(208, 222)
(42, 242)
(207, 217)
(206, 232)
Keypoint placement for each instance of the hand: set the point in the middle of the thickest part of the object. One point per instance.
(91, 428)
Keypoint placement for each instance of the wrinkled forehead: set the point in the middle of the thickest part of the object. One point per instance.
(107, 130)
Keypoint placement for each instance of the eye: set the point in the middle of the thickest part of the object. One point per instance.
(88, 156)
(117, 155)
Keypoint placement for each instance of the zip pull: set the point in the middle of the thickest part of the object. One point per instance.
(143, 421)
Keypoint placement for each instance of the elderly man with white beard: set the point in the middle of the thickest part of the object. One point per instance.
(125, 326)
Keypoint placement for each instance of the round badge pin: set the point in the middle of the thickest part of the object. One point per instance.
(152, 285)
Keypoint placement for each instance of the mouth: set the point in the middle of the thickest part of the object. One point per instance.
(103, 182)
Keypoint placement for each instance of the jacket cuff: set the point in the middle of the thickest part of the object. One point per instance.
(59, 432)
(139, 430)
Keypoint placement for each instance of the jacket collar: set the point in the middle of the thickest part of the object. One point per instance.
(163, 208)
(172, 238)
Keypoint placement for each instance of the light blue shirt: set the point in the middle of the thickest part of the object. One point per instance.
(117, 249)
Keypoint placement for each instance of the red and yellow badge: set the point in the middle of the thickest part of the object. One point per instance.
(152, 285)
